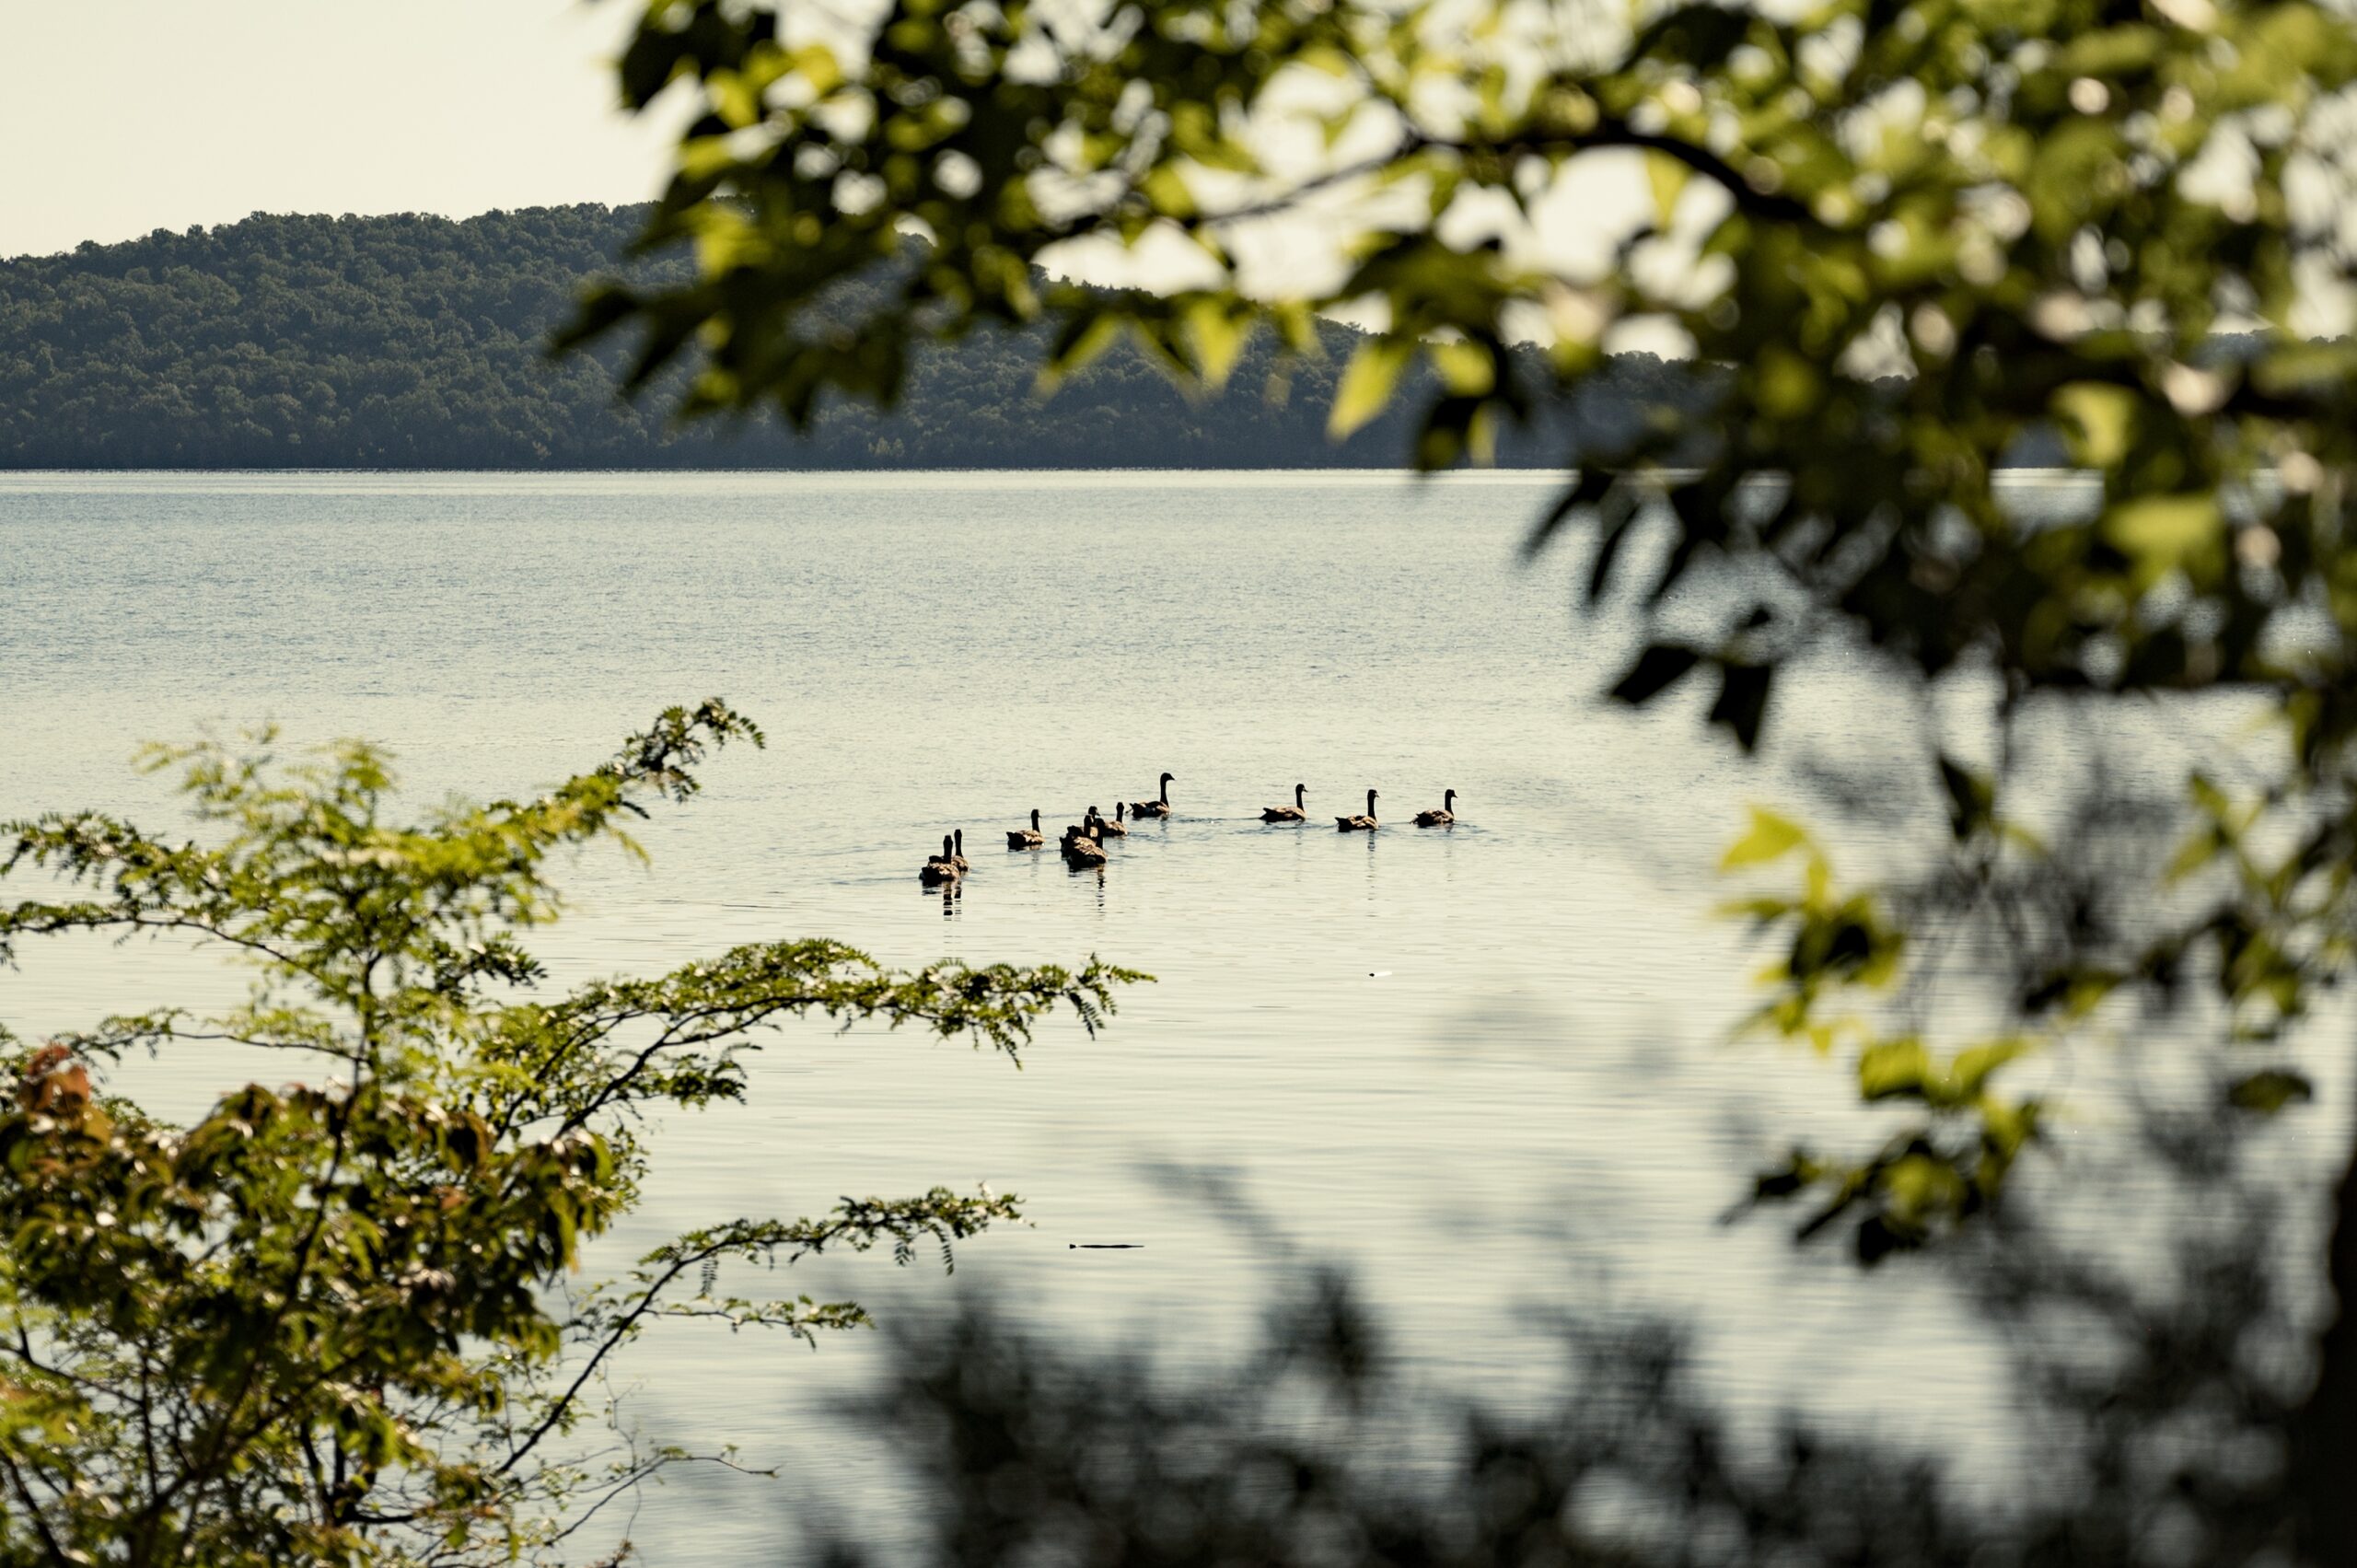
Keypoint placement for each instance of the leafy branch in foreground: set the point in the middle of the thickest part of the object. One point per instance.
(1903, 242)
(1905, 239)
(1910, 238)
(328, 1321)
(1845, 952)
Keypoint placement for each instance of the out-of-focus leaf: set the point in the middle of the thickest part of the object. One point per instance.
(1969, 797)
(2096, 415)
(2164, 531)
(1889, 1068)
(1742, 704)
(1367, 382)
(1770, 837)
(1667, 177)
(2267, 1092)
(1656, 669)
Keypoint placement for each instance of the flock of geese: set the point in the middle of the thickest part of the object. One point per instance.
(1083, 843)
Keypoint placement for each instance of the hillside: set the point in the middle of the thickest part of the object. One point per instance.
(417, 341)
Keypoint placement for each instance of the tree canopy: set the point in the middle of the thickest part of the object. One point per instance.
(415, 341)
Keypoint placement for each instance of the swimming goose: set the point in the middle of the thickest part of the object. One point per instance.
(1365, 824)
(1027, 838)
(1442, 817)
(1112, 828)
(1293, 813)
(942, 868)
(1084, 849)
(1157, 807)
(958, 854)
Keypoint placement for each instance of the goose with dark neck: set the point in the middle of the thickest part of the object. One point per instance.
(1362, 824)
(1027, 838)
(1158, 807)
(1442, 817)
(942, 867)
(1297, 812)
(1085, 846)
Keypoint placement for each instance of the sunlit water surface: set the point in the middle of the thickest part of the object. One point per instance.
(1489, 1066)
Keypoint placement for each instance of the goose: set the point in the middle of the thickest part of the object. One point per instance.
(1157, 807)
(1027, 838)
(1442, 817)
(1112, 828)
(1365, 824)
(958, 854)
(940, 868)
(1084, 849)
(1293, 813)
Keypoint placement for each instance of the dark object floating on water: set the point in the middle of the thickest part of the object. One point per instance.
(1160, 808)
(1442, 817)
(1296, 812)
(1027, 838)
(1104, 1246)
(1085, 846)
(1367, 824)
(940, 868)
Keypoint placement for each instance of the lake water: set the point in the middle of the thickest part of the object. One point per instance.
(1488, 1066)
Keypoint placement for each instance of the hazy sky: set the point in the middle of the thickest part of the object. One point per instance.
(122, 116)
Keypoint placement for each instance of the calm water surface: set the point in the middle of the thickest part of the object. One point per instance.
(1488, 1066)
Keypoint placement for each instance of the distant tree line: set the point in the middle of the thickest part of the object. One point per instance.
(420, 342)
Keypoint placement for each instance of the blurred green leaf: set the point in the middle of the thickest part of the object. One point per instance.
(1367, 382)
(1770, 838)
(2268, 1092)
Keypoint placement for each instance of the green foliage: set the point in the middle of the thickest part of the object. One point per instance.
(1913, 237)
(1909, 241)
(413, 342)
(1846, 953)
(332, 1321)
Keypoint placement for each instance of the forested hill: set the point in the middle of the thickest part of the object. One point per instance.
(418, 341)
